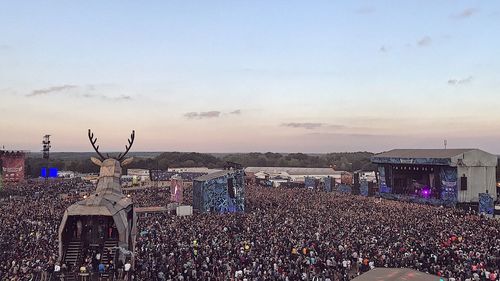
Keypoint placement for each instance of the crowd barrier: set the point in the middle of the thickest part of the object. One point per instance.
(419, 200)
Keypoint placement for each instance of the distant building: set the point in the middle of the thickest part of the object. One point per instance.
(220, 192)
(142, 173)
(368, 176)
(203, 170)
(294, 173)
(138, 176)
(66, 174)
(187, 174)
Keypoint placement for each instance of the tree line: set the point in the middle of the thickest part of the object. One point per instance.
(343, 161)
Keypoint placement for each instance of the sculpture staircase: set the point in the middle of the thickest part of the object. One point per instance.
(108, 256)
(72, 257)
(73, 253)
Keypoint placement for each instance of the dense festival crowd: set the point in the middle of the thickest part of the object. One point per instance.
(285, 234)
(299, 234)
(30, 214)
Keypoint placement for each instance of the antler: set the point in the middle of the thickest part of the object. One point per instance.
(127, 147)
(93, 142)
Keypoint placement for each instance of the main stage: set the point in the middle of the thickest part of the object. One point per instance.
(437, 176)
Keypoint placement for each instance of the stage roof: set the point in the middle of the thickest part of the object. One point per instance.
(422, 153)
(396, 274)
(194, 170)
(445, 157)
(213, 175)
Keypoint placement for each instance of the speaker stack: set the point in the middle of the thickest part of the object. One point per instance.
(371, 189)
(463, 183)
(356, 186)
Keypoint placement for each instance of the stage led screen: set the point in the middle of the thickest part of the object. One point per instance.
(43, 172)
(48, 172)
(53, 173)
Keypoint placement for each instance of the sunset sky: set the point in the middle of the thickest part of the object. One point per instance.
(240, 76)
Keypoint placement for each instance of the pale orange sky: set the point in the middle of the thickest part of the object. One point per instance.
(242, 76)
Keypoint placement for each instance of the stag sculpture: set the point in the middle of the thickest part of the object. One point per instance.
(105, 209)
(111, 167)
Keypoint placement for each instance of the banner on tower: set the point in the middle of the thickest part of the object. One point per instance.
(12, 165)
(176, 189)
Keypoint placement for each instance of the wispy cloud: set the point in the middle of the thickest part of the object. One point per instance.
(122, 97)
(350, 134)
(308, 126)
(88, 91)
(365, 10)
(210, 114)
(202, 115)
(191, 115)
(462, 81)
(110, 98)
(335, 127)
(285, 72)
(383, 49)
(4, 47)
(312, 125)
(51, 90)
(424, 42)
(467, 13)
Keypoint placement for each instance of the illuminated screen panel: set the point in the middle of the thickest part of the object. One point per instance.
(53, 173)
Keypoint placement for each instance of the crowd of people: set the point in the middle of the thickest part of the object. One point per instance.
(284, 234)
(147, 197)
(30, 214)
(300, 234)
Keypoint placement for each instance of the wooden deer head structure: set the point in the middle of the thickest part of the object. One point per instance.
(111, 167)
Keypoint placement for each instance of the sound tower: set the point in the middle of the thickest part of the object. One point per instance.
(230, 188)
(46, 147)
(387, 175)
(463, 183)
(371, 189)
(356, 187)
(1, 170)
